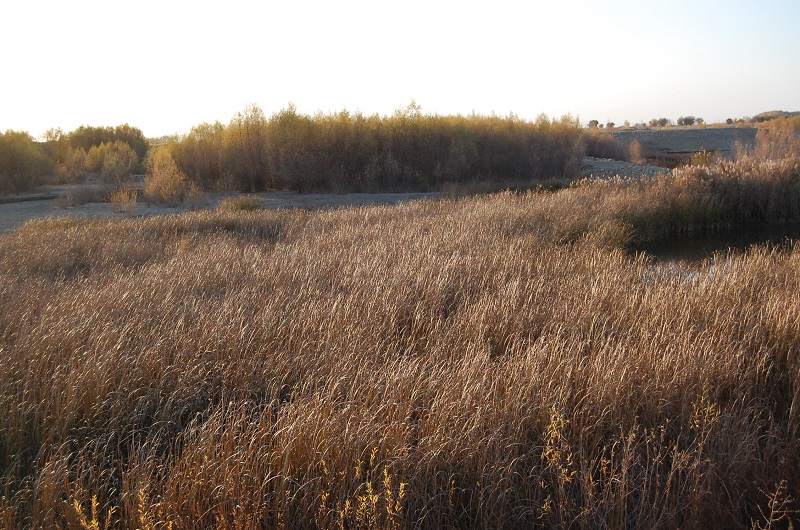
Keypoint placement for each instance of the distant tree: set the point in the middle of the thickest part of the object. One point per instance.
(593, 124)
(53, 135)
(700, 121)
(54, 143)
(70, 168)
(663, 122)
(729, 121)
(686, 120)
(119, 162)
(653, 122)
(610, 125)
(133, 137)
(86, 137)
(113, 161)
(164, 181)
(627, 124)
(246, 146)
(23, 162)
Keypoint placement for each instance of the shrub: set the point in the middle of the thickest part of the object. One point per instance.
(240, 204)
(124, 199)
(23, 163)
(777, 142)
(701, 158)
(601, 144)
(635, 153)
(112, 161)
(164, 181)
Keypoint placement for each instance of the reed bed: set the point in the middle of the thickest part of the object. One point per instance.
(492, 362)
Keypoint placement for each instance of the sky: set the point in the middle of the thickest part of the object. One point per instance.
(166, 65)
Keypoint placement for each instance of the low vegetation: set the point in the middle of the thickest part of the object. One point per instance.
(240, 204)
(483, 362)
(601, 143)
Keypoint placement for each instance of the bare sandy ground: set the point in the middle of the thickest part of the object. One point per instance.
(16, 211)
(54, 201)
(608, 168)
(677, 142)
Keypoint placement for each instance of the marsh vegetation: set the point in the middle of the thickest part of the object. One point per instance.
(497, 361)
(339, 152)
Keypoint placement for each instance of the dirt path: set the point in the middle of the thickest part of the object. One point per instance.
(606, 168)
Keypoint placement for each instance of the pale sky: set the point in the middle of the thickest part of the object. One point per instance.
(166, 65)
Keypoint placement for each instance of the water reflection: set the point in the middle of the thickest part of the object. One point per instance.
(697, 249)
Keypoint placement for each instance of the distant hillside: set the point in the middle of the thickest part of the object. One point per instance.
(771, 115)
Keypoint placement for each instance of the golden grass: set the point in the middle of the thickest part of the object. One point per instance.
(493, 362)
(123, 200)
(240, 204)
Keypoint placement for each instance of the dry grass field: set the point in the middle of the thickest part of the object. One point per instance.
(489, 362)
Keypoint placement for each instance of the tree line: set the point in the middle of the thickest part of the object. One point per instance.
(110, 153)
(342, 151)
(352, 152)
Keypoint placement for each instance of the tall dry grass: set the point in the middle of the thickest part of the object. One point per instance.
(494, 362)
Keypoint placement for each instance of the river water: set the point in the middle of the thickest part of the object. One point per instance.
(696, 249)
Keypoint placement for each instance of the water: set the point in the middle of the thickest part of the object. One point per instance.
(696, 249)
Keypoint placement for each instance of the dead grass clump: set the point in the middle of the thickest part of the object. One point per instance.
(123, 200)
(240, 204)
(636, 153)
(602, 144)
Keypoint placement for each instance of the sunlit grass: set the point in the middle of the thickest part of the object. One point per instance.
(482, 362)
